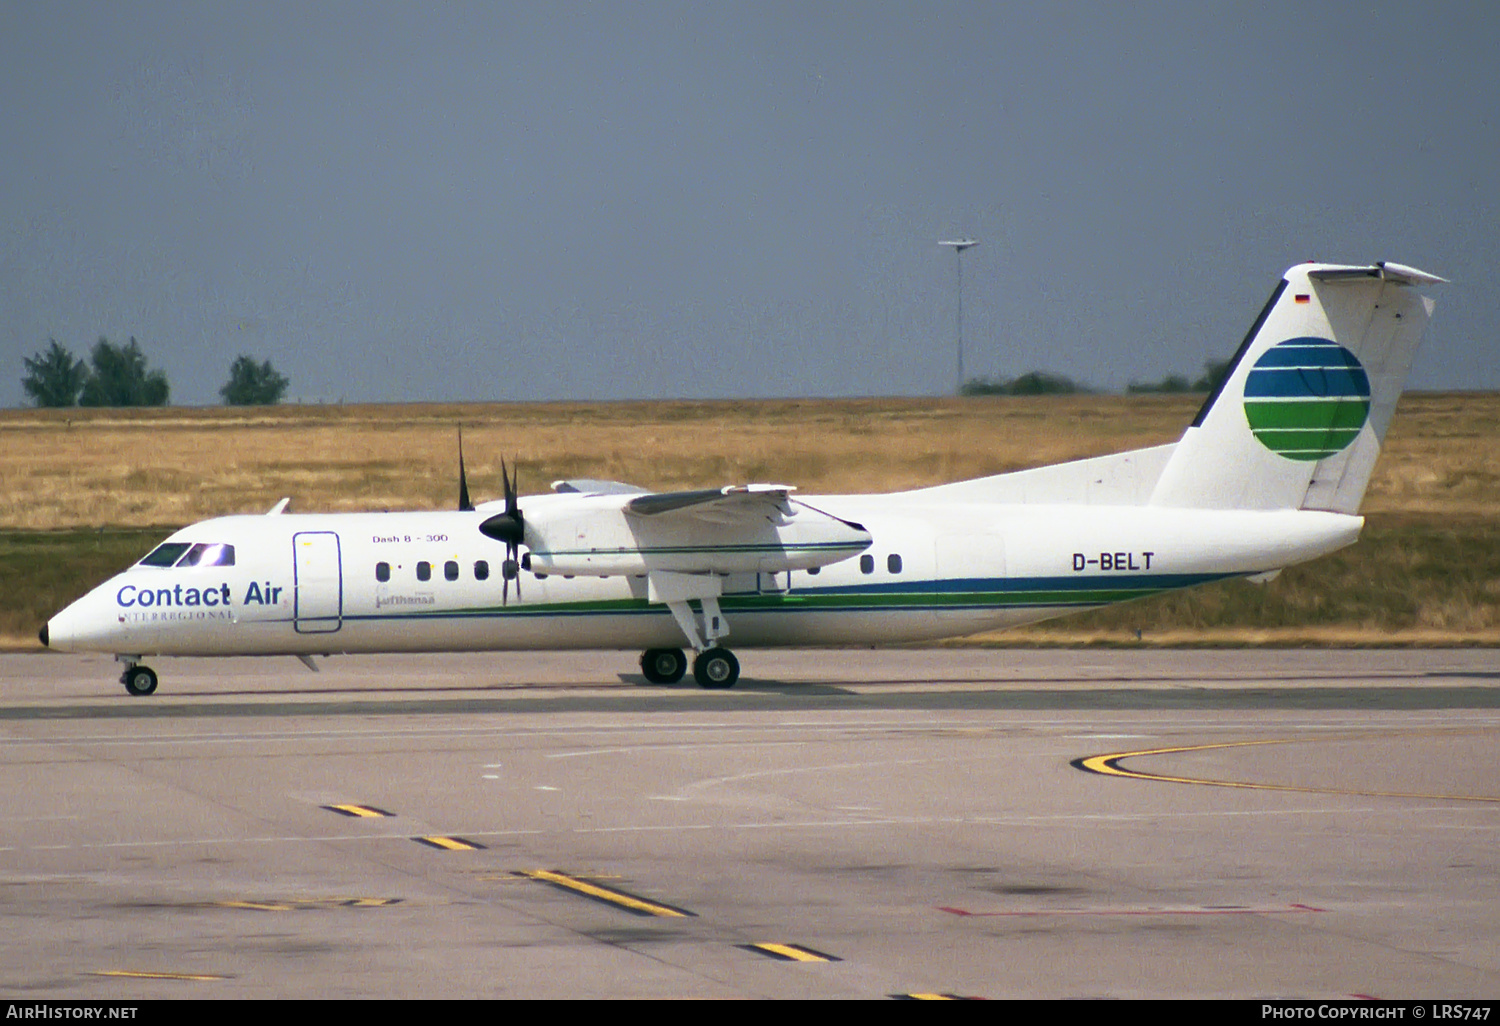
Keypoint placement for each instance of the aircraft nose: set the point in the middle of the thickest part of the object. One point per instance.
(81, 627)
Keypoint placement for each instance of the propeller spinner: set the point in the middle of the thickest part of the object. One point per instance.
(508, 527)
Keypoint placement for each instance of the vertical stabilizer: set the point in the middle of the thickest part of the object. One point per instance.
(1300, 415)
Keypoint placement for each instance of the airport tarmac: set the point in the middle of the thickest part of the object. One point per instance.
(842, 824)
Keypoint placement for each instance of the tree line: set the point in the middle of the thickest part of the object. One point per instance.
(1047, 383)
(117, 375)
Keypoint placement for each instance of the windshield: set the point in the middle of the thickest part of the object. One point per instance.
(165, 554)
(208, 555)
(186, 554)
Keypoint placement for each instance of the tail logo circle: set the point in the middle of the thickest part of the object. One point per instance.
(1307, 398)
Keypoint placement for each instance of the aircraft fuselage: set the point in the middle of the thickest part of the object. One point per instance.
(429, 581)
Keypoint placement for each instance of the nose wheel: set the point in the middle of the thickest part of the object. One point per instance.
(139, 680)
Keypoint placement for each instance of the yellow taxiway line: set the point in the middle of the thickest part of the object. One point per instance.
(635, 904)
(1109, 766)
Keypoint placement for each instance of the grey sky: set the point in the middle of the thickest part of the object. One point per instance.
(617, 200)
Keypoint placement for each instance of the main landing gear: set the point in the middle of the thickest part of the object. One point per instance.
(138, 679)
(663, 665)
(714, 668)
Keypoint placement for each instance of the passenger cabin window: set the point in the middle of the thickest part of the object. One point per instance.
(382, 572)
(893, 563)
(450, 570)
(165, 554)
(424, 571)
(867, 564)
(481, 571)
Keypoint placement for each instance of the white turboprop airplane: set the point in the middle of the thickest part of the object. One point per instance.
(1270, 473)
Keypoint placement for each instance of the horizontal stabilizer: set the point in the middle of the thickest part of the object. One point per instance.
(1384, 271)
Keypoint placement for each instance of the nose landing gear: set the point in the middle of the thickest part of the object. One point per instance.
(138, 679)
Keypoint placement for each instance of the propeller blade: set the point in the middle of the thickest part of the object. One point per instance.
(464, 503)
(511, 505)
(508, 527)
(513, 544)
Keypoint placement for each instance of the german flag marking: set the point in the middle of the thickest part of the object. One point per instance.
(158, 976)
(1109, 765)
(632, 903)
(926, 996)
(359, 811)
(790, 952)
(450, 843)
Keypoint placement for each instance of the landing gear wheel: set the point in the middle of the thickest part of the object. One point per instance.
(716, 668)
(663, 665)
(139, 680)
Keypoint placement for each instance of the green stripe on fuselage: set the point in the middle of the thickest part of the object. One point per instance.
(678, 550)
(918, 598)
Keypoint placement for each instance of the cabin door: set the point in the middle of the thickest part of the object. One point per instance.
(319, 582)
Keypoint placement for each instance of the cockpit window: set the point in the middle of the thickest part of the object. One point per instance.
(182, 554)
(164, 554)
(208, 555)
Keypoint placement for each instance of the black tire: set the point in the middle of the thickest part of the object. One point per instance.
(663, 665)
(716, 668)
(139, 680)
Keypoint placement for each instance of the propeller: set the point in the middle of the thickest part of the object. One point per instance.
(508, 527)
(464, 504)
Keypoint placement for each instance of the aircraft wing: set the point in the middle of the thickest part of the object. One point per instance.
(589, 486)
(754, 528)
(730, 504)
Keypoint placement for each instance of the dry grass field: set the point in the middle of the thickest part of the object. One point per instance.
(1435, 499)
(168, 467)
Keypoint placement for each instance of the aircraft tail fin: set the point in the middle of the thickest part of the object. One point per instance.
(1298, 419)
